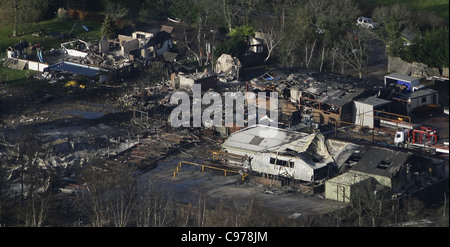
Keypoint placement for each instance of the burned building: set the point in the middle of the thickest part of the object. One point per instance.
(328, 101)
(329, 98)
(401, 172)
(290, 155)
(153, 46)
(206, 79)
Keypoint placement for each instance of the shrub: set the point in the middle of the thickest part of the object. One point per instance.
(431, 48)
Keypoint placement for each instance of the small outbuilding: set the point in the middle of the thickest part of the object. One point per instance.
(364, 111)
(407, 83)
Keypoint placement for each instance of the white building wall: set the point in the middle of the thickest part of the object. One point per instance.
(37, 66)
(75, 53)
(260, 162)
(300, 171)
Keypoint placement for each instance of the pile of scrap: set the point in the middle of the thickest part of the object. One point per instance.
(155, 148)
(228, 65)
(206, 79)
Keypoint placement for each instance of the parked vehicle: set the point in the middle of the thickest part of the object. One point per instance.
(421, 137)
(366, 22)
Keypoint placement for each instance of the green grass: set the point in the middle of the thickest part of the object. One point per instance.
(15, 77)
(9, 76)
(26, 30)
(437, 7)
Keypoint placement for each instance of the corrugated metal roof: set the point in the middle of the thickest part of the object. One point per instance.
(381, 161)
(421, 93)
(373, 101)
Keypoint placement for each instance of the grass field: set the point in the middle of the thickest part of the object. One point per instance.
(8, 76)
(26, 31)
(437, 7)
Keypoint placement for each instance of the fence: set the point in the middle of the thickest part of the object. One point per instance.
(243, 175)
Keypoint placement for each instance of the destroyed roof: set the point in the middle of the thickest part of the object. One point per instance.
(20, 46)
(158, 38)
(333, 92)
(327, 88)
(168, 29)
(261, 138)
(385, 162)
(169, 56)
(15, 64)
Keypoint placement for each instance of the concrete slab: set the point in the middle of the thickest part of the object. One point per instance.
(190, 183)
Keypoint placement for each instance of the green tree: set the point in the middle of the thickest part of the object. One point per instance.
(431, 48)
(243, 31)
(109, 28)
(236, 44)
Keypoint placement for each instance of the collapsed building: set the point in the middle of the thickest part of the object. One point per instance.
(207, 80)
(107, 60)
(329, 98)
(294, 156)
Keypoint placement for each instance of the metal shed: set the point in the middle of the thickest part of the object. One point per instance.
(340, 188)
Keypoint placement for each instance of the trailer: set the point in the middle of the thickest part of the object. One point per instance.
(421, 137)
(410, 84)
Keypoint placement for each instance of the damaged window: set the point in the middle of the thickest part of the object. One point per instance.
(279, 162)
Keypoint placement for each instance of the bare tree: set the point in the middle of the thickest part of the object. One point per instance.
(368, 198)
(271, 32)
(244, 8)
(227, 13)
(35, 179)
(37, 196)
(111, 192)
(353, 51)
(116, 10)
(188, 45)
(95, 203)
(122, 196)
(155, 206)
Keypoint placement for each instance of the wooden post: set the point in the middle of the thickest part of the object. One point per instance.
(373, 135)
(335, 129)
